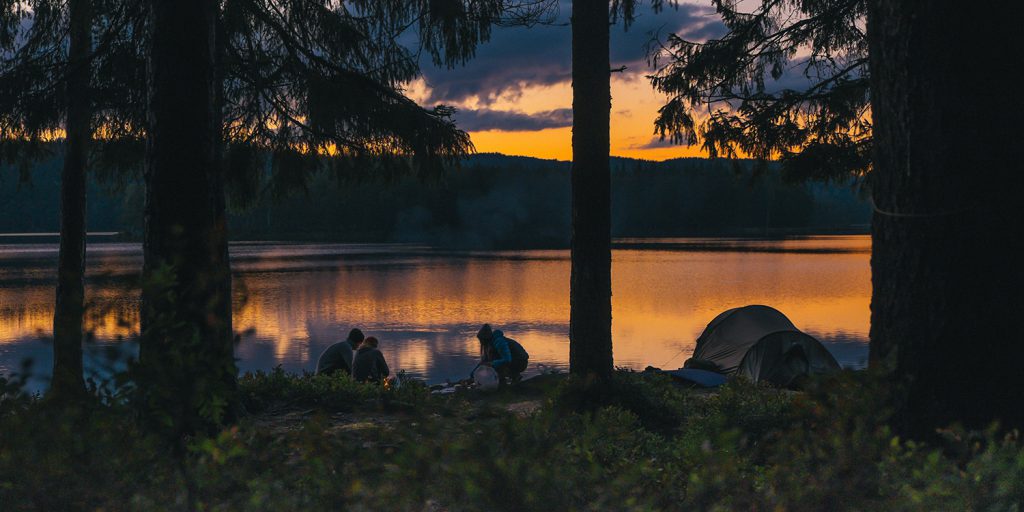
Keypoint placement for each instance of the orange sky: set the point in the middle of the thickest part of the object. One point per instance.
(634, 108)
(515, 95)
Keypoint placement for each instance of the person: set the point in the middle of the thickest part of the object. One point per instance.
(369, 364)
(505, 355)
(338, 357)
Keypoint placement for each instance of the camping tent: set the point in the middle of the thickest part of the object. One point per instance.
(762, 344)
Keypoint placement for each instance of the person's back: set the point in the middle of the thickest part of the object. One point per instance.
(338, 357)
(369, 364)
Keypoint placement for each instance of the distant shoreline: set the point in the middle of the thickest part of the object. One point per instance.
(697, 241)
(57, 235)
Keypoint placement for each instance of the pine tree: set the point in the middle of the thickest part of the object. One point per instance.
(787, 81)
(948, 232)
(305, 82)
(70, 305)
(46, 87)
(590, 295)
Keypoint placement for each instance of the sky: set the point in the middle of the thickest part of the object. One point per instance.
(515, 96)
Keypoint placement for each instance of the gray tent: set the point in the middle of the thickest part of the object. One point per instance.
(762, 344)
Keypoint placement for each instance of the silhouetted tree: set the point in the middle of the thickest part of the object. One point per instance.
(788, 80)
(934, 128)
(590, 296)
(32, 53)
(590, 291)
(46, 85)
(186, 363)
(70, 305)
(308, 80)
(305, 82)
(948, 231)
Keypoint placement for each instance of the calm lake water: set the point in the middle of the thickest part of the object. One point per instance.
(293, 300)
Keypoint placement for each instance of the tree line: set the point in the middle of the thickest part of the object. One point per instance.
(490, 201)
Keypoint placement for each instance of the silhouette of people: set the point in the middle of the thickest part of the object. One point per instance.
(339, 357)
(369, 365)
(505, 355)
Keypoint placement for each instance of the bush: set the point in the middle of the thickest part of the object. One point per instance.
(641, 444)
(260, 391)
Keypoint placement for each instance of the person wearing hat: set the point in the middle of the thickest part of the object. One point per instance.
(505, 355)
(338, 357)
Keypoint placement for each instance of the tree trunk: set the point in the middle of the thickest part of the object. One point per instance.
(70, 305)
(186, 356)
(947, 234)
(590, 320)
(222, 263)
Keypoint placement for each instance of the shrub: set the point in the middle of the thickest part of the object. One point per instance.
(338, 392)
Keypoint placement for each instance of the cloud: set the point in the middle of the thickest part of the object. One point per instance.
(656, 142)
(475, 120)
(517, 57)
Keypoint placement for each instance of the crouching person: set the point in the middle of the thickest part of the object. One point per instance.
(338, 357)
(369, 364)
(505, 355)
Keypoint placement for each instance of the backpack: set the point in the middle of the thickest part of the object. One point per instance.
(519, 355)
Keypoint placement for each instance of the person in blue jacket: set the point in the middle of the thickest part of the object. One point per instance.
(505, 355)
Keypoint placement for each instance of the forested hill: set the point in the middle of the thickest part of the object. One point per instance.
(491, 201)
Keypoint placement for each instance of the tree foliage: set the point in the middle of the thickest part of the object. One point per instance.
(33, 74)
(788, 80)
(300, 80)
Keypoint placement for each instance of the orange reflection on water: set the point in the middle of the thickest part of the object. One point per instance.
(426, 305)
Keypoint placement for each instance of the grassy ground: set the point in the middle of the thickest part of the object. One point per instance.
(551, 443)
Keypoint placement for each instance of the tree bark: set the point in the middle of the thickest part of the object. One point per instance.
(70, 304)
(947, 234)
(590, 320)
(186, 354)
(222, 262)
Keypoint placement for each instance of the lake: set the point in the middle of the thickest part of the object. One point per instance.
(292, 300)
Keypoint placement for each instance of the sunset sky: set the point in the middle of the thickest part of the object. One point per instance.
(515, 97)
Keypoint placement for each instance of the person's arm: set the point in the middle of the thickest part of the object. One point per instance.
(328, 361)
(347, 358)
(504, 354)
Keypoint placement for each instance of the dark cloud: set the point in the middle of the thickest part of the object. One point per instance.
(512, 121)
(516, 57)
(656, 142)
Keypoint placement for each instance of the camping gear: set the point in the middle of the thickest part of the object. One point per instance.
(520, 358)
(486, 378)
(760, 343)
(696, 378)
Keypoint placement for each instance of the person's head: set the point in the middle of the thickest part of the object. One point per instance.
(355, 337)
(370, 342)
(485, 334)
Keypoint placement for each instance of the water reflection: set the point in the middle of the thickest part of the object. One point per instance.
(293, 300)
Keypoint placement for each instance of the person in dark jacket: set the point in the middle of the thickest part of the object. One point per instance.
(369, 365)
(338, 357)
(505, 355)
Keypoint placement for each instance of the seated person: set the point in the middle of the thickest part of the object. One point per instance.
(338, 357)
(505, 355)
(369, 364)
